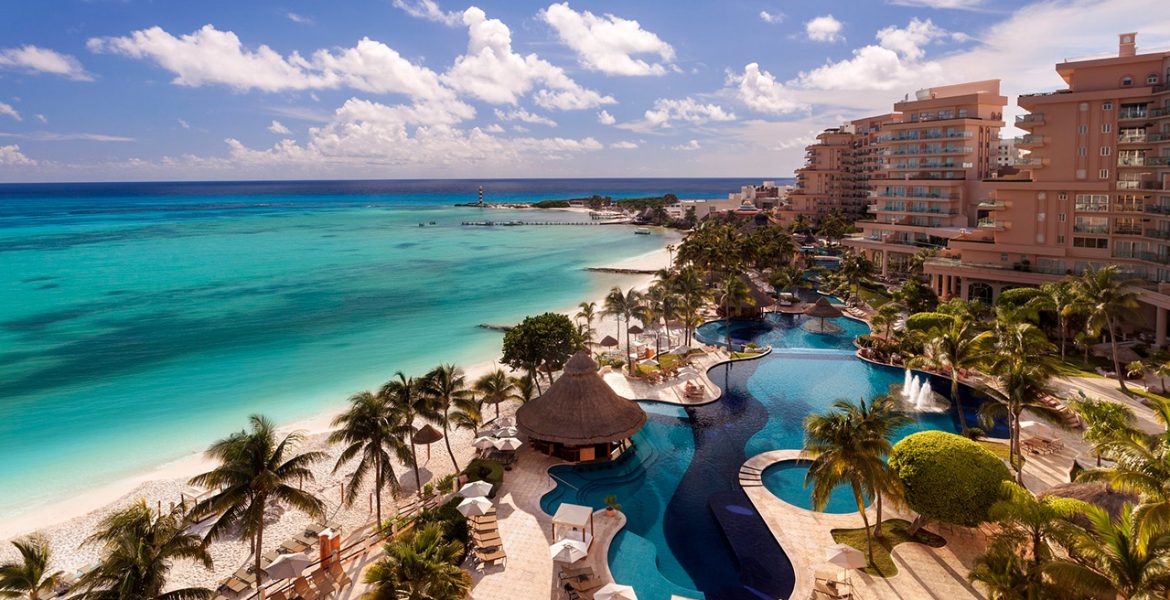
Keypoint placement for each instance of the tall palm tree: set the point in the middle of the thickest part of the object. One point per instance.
(495, 386)
(30, 576)
(886, 316)
(587, 314)
(1033, 522)
(1022, 365)
(1006, 574)
(731, 290)
(138, 551)
(688, 284)
(419, 566)
(841, 454)
(1108, 300)
(623, 305)
(1104, 420)
(953, 348)
(789, 276)
(878, 420)
(369, 429)
(1059, 297)
(1113, 557)
(524, 390)
(406, 397)
(856, 269)
(447, 389)
(256, 470)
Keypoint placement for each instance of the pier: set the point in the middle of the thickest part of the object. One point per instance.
(544, 223)
(496, 327)
(621, 271)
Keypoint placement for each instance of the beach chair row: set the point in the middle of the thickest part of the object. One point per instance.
(488, 547)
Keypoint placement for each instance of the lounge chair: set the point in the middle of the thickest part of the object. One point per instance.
(340, 576)
(295, 546)
(576, 573)
(487, 542)
(587, 584)
(237, 585)
(322, 583)
(498, 555)
(304, 590)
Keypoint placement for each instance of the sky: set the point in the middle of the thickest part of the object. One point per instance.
(129, 90)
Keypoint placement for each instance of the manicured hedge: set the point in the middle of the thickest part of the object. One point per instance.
(1017, 297)
(482, 469)
(925, 321)
(948, 477)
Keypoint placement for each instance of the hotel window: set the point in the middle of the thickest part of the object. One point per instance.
(1082, 129)
(1081, 242)
(1126, 81)
(1092, 203)
(1063, 217)
(1106, 106)
(1082, 151)
(1151, 79)
(1106, 150)
(1091, 225)
(1103, 174)
(1060, 239)
(1063, 196)
(1106, 128)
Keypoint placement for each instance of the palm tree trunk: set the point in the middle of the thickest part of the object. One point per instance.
(955, 399)
(535, 380)
(877, 526)
(864, 519)
(1063, 335)
(1116, 359)
(1014, 424)
(414, 464)
(629, 349)
(447, 440)
(259, 550)
(378, 488)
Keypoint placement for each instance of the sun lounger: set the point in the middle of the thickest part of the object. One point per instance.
(576, 573)
(322, 583)
(294, 546)
(271, 555)
(483, 558)
(304, 590)
(488, 542)
(587, 584)
(340, 576)
(236, 585)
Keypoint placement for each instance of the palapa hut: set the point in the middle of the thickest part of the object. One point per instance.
(580, 418)
(425, 436)
(608, 342)
(1097, 493)
(823, 309)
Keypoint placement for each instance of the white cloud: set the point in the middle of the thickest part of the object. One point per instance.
(623, 145)
(429, 10)
(50, 136)
(952, 4)
(895, 62)
(520, 129)
(12, 156)
(524, 116)
(909, 41)
(688, 110)
(41, 118)
(823, 29)
(760, 91)
(42, 60)
(209, 56)
(494, 128)
(491, 71)
(278, 128)
(6, 109)
(300, 19)
(605, 118)
(691, 145)
(184, 124)
(608, 43)
(771, 17)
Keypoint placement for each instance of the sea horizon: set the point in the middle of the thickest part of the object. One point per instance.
(125, 315)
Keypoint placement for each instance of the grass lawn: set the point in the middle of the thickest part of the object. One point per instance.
(874, 298)
(893, 533)
(1073, 366)
(744, 355)
(1000, 450)
(1152, 396)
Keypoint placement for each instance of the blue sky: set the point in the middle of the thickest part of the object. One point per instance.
(139, 90)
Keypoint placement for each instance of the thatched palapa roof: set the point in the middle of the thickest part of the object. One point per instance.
(426, 435)
(823, 309)
(1097, 493)
(608, 341)
(635, 330)
(580, 409)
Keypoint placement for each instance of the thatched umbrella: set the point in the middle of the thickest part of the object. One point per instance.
(1097, 493)
(580, 410)
(608, 342)
(635, 330)
(823, 309)
(426, 435)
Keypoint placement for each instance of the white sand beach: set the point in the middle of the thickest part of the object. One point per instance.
(68, 522)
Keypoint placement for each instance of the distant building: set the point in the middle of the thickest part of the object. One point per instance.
(1007, 154)
(766, 196)
(703, 208)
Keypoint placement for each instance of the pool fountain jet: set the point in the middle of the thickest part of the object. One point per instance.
(918, 395)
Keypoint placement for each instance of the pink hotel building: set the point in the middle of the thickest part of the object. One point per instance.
(1094, 190)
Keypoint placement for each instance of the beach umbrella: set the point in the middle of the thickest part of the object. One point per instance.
(635, 330)
(288, 566)
(506, 422)
(509, 444)
(568, 551)
(823, 309)
(846, 557)
(474, 507)
(615, 591)
(650, 362)
(1035, 428)
(426, 435)
(484, 442)
(608, 341)
(475, 488)
(504, 432)
(687, 373)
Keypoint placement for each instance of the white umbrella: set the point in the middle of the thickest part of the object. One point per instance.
(508, 443)
(1035, 428)
(506, 432)
(474, 507)
(846, 557)
(569, 551)
(506, 421)
(288, 566)
(687, 372)
(615, 591)
(484, 442)
(650, 362)
(475, 488)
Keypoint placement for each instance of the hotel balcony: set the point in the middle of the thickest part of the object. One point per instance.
(1139, 138)
(1158, 138)
(1139, 185)
(1029, 141)
(1127, 230)
(913, 175)
(993, 204)
(1159, 113)
(914, 136)
(913, 210)
(1029, 120)
(994, 224)
(1157, 209)
(1162, 234)
(1033, 162)
(1132, 115)
(1132, 161)
(1153, 257)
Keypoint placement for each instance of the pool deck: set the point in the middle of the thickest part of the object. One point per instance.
(672, 391)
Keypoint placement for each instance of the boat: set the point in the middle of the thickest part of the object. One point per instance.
(432, 222)
(642, 231)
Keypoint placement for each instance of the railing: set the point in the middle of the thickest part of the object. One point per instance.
(1091, 207)
(1030, 119)
(1029, 140)
(1127, 229)
(1146, 256)
(1090, 229)
(907, 137)
(1129, 208)
(1139, 138)
(1133, 114)
(1157, 209)
(1131, 161)
(1162, 234)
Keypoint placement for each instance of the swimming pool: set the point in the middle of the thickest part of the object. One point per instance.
(690, 529)
(785, 479)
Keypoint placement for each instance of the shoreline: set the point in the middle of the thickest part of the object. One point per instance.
(67, 521)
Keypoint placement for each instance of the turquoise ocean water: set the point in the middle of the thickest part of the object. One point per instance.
(139, 322)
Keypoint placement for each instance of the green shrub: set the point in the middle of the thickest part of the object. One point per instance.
(452, 522)
(1017, 297)
(948, 477)
(925, 321)
(482, 469)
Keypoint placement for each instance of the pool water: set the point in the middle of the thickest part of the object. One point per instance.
(690, 529)
(786, 480)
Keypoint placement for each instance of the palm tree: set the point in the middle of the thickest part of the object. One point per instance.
(878, 420)
(255, 471)
(856, 269)
(368, 429)
(623, 305)
(138, 551)
(29, 577)
(523, 389)
(917, 263)
(1032, 522)
(1060, 297)
(953, 348)
(730, 290)
(496, 387)
(1005, 573)
(1113, 557)
(841, 454)
(406, 398)
(587, 313)
(688, 285)
(886, 316)
(419, 566)
(1108, 300)
(1104, 420)
(447, 389)
(1022, 364)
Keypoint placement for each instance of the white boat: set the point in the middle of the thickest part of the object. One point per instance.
(641, 231)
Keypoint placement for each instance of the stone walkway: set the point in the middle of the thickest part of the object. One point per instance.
(672, 391)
